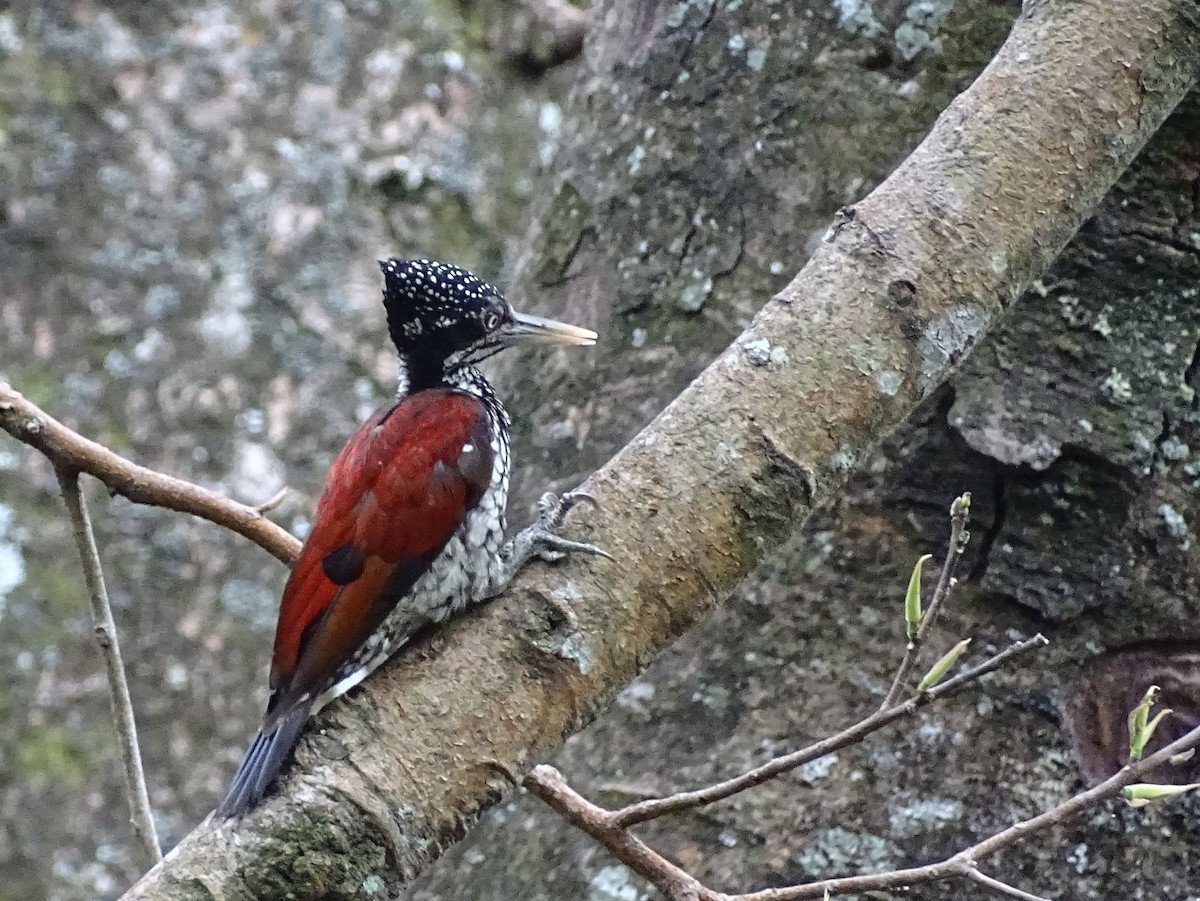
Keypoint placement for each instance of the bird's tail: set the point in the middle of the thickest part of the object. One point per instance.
(262, 763)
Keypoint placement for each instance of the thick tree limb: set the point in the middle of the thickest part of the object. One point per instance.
(28, 423)
(904, 285)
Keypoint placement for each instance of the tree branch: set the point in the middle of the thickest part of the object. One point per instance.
(26, 422)
(549, 785)
(905, 284)
(1002, 888)
(657, 807)
(140, 813)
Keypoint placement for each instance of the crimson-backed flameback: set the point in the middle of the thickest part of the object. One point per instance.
(410, 527)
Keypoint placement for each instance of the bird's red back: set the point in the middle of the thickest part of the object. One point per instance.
(393, 498)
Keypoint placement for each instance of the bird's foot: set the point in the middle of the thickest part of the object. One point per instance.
(544, 541)
(541, 541)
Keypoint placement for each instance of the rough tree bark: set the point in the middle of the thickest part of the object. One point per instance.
(1076, 431)
(907, 281)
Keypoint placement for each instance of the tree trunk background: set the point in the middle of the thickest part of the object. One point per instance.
(1071, 424)
(178, 180)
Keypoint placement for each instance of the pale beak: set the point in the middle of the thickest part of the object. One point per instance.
(535, 329)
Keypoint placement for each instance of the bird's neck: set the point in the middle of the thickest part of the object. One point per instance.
(417, 375)
(421, 374)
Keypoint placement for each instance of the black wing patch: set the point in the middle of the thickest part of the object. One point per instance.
(344, 564)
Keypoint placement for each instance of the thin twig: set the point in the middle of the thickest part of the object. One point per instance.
(106, 636)
(67, 449)
(652, 808)
(549, 785)
(960, 512)
(657, 807)
(268, 505)
(1002, 888)
(967, 676)
(964, 861)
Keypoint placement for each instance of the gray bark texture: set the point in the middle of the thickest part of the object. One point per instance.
(1072, 424)
(1083, 509)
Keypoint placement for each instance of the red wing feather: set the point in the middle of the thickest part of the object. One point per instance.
(393, 498)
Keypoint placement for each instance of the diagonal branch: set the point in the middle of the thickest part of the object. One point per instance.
(28, 423)
(657, 807)
(904, 285)
(548, 784)
(962, 863)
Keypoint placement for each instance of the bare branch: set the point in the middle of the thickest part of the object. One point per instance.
(549, 785)
(65, 448)
(270, 504)
(72, 454)
(1002, 888)
(657, 807)
(106, 636)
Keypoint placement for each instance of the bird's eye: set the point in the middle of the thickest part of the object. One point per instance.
(491, 320)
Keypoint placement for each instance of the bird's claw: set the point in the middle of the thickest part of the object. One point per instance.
(553, 509)
(539, 541)
(551, 548)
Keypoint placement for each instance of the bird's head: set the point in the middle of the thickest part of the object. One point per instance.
(442, 317)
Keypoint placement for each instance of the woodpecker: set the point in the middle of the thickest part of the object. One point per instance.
(409, 529)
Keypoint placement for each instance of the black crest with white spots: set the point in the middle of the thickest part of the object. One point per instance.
(441, 317)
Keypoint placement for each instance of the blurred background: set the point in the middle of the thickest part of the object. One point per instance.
(194, 196)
